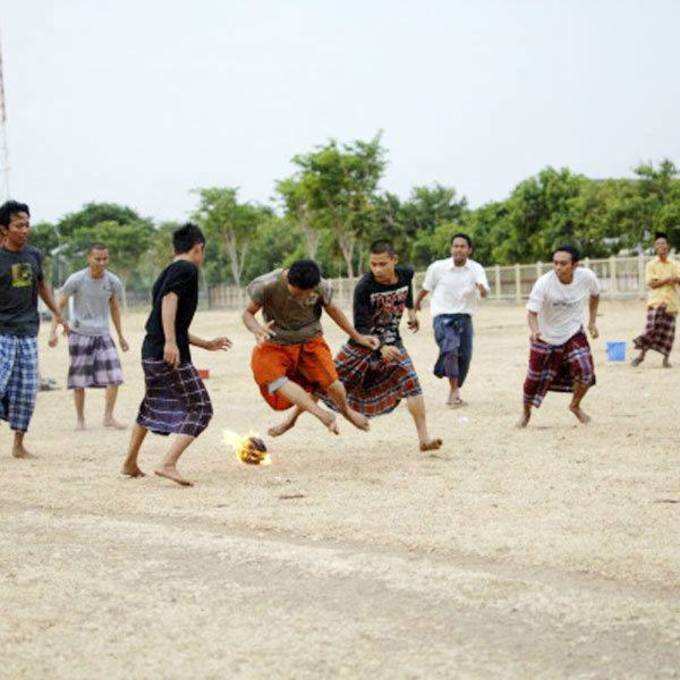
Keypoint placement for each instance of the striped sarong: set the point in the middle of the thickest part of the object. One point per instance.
(659, 332)
(558, 367)
(374, 387)
(175, 401)
(93, 361)
(18, 380)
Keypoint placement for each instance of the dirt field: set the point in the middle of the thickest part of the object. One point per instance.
(551, 552)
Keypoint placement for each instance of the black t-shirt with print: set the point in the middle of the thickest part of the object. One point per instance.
(181, 278)
(378, 307)
(20, 274)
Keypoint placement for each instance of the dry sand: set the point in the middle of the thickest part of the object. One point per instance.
(551, 552)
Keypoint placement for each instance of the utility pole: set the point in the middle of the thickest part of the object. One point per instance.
(4, 149)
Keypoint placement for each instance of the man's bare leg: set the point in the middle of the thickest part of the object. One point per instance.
(454, 399)
(168, 467)
(666, 362)
(575, 407)
(640, 358)
(336, 391)
(293, 392)
(130, 467)
(416, 407)
(18, 448)
(79, 400)
(287, 424)
(526, 416)
(109, 403)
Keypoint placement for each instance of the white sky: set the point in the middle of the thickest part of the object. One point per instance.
(140, 101)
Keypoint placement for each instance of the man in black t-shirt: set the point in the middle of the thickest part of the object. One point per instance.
(21, 282)
(175, 400)
(376, 381)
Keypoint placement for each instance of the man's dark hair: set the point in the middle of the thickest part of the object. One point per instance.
(661, 234)
(462, 235)
(383, 246)
(98, 245)
(304, 274)
(575, 254)
(186, 237)
(10, 208)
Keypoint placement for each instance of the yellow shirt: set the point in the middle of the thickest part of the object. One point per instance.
(665, 295)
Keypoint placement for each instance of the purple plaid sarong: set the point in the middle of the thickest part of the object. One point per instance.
(659, 332)
(93, 361)
(175, 401)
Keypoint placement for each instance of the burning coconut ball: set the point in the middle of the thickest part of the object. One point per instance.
(249, 449)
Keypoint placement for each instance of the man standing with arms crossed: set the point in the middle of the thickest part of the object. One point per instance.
(93, 357)
(456, 283)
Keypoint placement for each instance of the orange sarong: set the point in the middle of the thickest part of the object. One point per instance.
(309, 364)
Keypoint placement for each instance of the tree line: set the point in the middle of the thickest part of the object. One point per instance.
(332, 207)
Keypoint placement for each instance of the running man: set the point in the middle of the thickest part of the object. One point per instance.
(377, 380)
(291, 359)
(662, 276)
(175, 399)
(560, 358)
(456, 284)
(93, 359)
(21, 282)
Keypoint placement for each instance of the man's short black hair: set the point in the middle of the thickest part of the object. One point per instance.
(462, 235)
(661, 234)
(383, 246)
(10, 208)
(575, 254)
(98, 245)
(186, 237)
(304, 274)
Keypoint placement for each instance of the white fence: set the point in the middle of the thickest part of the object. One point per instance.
(621, 277)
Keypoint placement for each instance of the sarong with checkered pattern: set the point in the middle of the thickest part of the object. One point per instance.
(659, 332)
(94, 361)
(18, 380)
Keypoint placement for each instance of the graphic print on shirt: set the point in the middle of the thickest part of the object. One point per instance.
(388, 308)
(22, 275)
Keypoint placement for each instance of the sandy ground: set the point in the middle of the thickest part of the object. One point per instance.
(551, 552)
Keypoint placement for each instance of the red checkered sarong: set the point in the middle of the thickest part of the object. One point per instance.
(374, 387)
(659, 332)
(557, 368)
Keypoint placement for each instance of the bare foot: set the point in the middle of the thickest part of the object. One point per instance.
(523, 421)
(22, 452)
(431, 445)
(457, 402)
(281, 428)
(114, 424)
(80, 425)
(580, 414)
(357, 419)
(636, 362)
(666, 363)
(131, 470)
(170, 472)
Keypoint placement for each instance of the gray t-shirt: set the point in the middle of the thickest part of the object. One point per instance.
(90, 308)
(20, 274)
(295, 321)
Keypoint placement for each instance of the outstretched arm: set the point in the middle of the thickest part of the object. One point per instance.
(261, 333)
(222, 343)
(343, 322)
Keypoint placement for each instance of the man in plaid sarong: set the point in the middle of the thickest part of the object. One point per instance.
(21, 282)
(175, 399)
(95, 294)
(377, 380)
(663, 277)
(560, 359)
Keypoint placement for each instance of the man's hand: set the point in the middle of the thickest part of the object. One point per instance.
(390, 353)
(52, 342)
(369, 341)
(62, 322)
(536, 337)
(218, 344)
(592, 328)
(413, 323)
(171, 354)
(264, 333)
(123, 343)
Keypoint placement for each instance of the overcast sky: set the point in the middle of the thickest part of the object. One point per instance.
(139, 101)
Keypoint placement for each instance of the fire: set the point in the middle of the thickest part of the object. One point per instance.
(249, 448)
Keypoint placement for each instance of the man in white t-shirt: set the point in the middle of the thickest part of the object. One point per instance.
(560, 359)
(456, 284)
(93, 359)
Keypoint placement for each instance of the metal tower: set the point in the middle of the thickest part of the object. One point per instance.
(4, 150)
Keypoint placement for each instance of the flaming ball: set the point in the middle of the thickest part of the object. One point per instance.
(249, 449)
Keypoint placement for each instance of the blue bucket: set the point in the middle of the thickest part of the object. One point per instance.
(616, 351)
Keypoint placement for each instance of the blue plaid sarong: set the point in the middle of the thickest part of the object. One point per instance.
(453, 333)
(18, 380)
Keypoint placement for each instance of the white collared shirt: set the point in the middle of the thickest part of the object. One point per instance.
(454, 289)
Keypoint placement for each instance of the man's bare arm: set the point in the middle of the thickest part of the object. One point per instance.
(343, 322)
(114, 307)
(168, 316)
(261, 333)
(47, 297)
(61, 305)
(532, 319)
(592, 313)
(422, 294)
